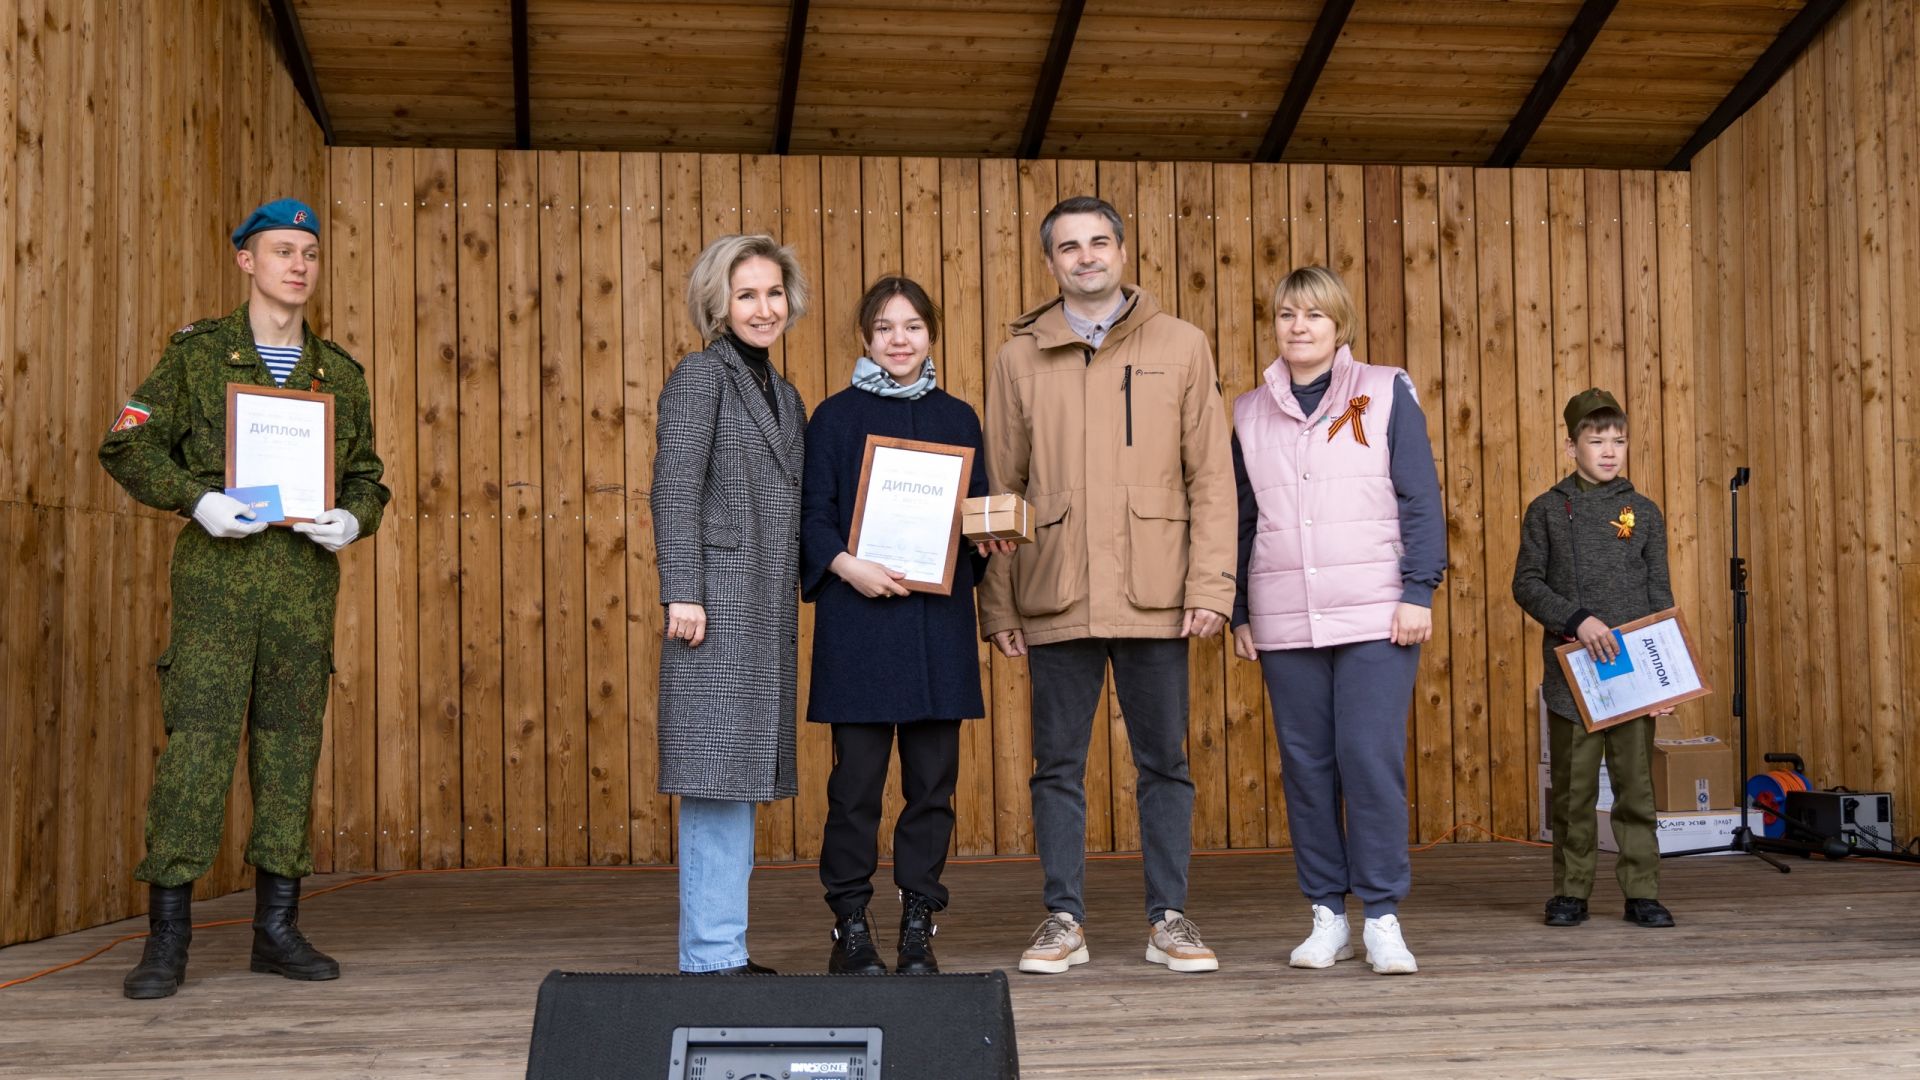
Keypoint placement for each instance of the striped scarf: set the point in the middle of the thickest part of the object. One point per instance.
(874, 379)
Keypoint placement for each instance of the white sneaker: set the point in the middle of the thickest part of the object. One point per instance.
(1331, 940)
(1386, 949)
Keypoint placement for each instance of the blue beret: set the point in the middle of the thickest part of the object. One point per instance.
(278, 214)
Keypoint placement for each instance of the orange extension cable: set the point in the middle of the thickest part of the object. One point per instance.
(369, 879)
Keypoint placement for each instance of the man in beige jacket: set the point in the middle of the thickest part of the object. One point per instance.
(1104, 412)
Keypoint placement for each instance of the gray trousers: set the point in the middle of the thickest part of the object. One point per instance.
(1150, 676)
(1341, 717)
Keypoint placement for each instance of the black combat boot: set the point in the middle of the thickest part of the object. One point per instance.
(163, 962)
(916, 936)
(279, 948)
(853, 949)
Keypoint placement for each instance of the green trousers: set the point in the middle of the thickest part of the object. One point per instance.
(251, 647)
(1576, 756)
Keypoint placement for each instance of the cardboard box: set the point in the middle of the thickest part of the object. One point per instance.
(1686, 832)
(1693, 775)
(997, 517)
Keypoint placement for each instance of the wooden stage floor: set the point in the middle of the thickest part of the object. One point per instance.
(1812, 973)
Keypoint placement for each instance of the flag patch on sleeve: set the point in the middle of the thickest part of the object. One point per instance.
(132, 415)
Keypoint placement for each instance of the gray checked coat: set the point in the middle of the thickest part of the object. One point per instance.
(726, 534)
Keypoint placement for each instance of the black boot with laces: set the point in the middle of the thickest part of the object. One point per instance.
(853, 949)
(163, 960)
(916, 936)
(279, 948)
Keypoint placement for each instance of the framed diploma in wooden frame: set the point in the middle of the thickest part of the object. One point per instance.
(906, 515)
(283, 438)
(1655, 669)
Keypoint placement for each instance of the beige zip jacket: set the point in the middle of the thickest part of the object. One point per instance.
(1123, 453)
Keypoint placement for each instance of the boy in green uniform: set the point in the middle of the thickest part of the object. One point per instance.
(251, 638)
(1593, 555)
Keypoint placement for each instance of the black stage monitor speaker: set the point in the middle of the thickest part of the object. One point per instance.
(784, 1027)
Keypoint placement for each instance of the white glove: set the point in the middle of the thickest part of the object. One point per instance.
(225, 517)
(331, 529)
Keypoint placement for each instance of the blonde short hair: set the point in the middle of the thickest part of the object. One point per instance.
(1319, 287)
(710, 284)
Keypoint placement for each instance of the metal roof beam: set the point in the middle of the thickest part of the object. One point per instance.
(790, 76)
(1546, 90)
(1787, 46)
(293, 49)
(1306, 74)
(522, 80)
(1047, 91)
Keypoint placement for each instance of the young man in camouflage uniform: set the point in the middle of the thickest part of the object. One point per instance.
(251, 640)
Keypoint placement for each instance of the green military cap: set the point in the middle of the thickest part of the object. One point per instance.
(1586, 403)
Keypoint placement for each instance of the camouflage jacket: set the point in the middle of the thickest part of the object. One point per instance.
(169, 444)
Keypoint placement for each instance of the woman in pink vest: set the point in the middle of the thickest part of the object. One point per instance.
(1343, 539)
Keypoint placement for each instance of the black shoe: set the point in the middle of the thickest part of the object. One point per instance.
(853, 949)
(1566, 911)
(748, 968)
(916, 936)
(279, 948)
(1643, 912)
(163, 961)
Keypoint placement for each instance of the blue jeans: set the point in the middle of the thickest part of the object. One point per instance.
(716, 862)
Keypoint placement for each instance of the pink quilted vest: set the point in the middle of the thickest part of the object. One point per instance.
(1326, 559)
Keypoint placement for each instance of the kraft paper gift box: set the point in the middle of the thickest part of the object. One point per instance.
(997, 517)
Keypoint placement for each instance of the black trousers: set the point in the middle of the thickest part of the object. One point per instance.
(929, 768)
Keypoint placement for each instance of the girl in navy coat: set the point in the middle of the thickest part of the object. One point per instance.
(887, 663)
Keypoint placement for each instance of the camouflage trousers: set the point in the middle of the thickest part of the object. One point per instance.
(251, 647)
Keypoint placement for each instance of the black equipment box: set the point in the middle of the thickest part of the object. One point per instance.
(1863, 820)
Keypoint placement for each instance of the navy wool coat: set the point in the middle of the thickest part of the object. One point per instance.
(726, 534)
(898, 659)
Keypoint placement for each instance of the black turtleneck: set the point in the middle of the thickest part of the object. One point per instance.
(761, 368)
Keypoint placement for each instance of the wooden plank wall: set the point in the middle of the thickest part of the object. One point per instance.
(126, 170)
(1807, 267)
(518, 311)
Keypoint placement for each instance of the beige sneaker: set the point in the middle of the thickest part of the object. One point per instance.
(1175, 942)
(1057, 945)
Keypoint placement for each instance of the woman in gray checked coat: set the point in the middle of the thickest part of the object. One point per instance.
(726, 527)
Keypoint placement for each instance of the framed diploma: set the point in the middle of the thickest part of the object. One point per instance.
(282, 438)
(906, 516)
(1654, 669)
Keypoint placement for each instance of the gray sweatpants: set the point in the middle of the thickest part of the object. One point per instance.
(1150, 677)
(1341, 717)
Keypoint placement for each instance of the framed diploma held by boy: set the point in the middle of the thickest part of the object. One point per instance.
(1654, 669)
(282, 438)
(906, 516)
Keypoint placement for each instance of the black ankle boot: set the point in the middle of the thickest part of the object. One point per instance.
(279, 948)
(916, 936)
(853, 949)
(163, 962)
